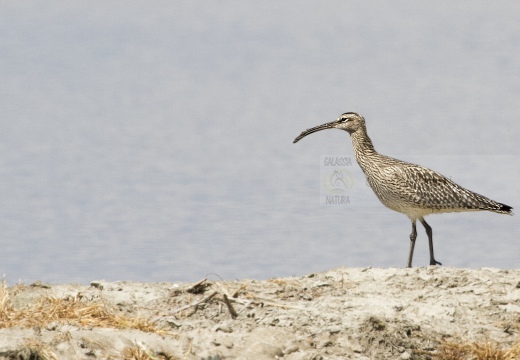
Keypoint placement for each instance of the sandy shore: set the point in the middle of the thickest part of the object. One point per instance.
(344, 313)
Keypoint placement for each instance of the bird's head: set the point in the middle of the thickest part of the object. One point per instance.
(349, 121)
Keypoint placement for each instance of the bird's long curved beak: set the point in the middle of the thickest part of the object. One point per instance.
(330, 125)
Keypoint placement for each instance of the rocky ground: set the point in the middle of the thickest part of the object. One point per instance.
(420, 313)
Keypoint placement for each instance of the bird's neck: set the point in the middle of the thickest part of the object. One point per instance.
(362, 144)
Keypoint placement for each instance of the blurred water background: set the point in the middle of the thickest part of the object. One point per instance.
(152, 140)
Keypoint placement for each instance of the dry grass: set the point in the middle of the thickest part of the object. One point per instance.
(485, 350)
(140, 352)
(40, 350)
(69, 310)
(33, 349)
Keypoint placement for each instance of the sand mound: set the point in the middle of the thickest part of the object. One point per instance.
(421, 313)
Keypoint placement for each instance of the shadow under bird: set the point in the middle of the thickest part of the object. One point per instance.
(407, 188)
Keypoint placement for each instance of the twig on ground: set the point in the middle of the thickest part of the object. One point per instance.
(195, 303)
(198, 287)
(260, 301)
(246, 306)
(230, 307)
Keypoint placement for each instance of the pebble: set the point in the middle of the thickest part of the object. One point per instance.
(405, 356)
(334, 329)
(222, 327)
(99, 284)
(39, 284)
(52, 326)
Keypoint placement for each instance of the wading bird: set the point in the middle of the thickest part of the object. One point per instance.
(407, 188)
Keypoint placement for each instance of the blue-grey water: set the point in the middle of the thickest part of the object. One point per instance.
(153, 140)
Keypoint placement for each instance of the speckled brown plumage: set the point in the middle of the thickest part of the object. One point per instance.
(407, 188)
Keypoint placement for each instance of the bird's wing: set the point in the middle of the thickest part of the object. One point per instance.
(426, 188)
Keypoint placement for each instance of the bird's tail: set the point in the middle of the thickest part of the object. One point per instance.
(491, 205)
(504, 209)
(485, 203)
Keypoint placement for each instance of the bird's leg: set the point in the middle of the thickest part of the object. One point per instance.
(430, 241)
(413, 236)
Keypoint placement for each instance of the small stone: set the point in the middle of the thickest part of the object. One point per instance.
(405, 356)
(39, 284)
(320, 284)
(357, 348)
(52, 326)
(222, 327)
(334, 329)
(228, 343)
(97, 284)
(226, 329)
(324, 344)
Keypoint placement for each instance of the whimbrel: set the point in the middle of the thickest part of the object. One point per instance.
(407, 188)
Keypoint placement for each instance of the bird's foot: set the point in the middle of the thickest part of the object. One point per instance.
(434, 262)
